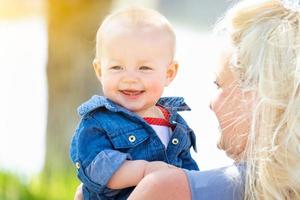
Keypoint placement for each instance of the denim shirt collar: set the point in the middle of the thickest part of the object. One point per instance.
(173, 103)
(170, 103)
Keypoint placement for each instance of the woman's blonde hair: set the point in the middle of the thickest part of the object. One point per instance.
(265, 35)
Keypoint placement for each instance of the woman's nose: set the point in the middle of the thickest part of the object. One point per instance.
(210, 105)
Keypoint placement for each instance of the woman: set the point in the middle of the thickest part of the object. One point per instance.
(263, 72)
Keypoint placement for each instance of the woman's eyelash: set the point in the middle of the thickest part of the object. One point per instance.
(217, 84)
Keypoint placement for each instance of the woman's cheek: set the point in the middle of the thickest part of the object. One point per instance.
(216, 102)
(225, 112)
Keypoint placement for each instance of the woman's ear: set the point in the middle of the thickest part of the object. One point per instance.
(171, 72)
(97, 68)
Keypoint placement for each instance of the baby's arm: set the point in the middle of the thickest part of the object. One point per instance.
(129, 174)
(150, 168)
(132, 171)
(101, 167)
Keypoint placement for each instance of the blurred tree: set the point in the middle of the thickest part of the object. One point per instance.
(72, 28)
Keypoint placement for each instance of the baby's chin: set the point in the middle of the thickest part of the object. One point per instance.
(133, 107)
(142, 111)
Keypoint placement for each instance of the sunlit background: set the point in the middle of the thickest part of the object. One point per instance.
(46, 51)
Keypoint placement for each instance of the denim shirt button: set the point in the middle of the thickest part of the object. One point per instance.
(175, 141)
(131, 138)
(77, 165)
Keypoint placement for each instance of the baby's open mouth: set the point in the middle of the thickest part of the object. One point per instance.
(132, 92)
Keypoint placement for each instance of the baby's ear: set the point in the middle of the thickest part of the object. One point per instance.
(171, 72)
(97, 68)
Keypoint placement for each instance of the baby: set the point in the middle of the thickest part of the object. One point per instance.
(129, 131)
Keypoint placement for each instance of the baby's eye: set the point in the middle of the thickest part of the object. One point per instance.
(117, 67)
(145, 68)
(217, 84)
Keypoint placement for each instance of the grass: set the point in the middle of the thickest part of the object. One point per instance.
(57, 186)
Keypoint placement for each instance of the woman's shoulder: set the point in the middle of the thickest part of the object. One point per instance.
(226, 183)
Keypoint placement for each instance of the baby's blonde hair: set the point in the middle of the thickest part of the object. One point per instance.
(136, 17)
(266, 37)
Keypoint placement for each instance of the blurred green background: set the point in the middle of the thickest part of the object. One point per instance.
(46, 51)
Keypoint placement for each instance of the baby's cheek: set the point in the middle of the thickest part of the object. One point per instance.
(156, 88)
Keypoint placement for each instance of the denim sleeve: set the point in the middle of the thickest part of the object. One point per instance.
(219, 184)
(187, 161)
(96, 156)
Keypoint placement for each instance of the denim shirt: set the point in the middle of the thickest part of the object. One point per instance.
(108, 134)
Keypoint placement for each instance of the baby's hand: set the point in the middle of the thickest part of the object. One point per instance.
(156, 166)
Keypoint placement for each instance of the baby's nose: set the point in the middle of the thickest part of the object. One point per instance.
(130, 77)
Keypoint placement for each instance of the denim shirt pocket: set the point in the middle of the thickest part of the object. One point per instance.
(128, 138)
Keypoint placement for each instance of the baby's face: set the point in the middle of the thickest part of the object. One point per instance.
(134, 67)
